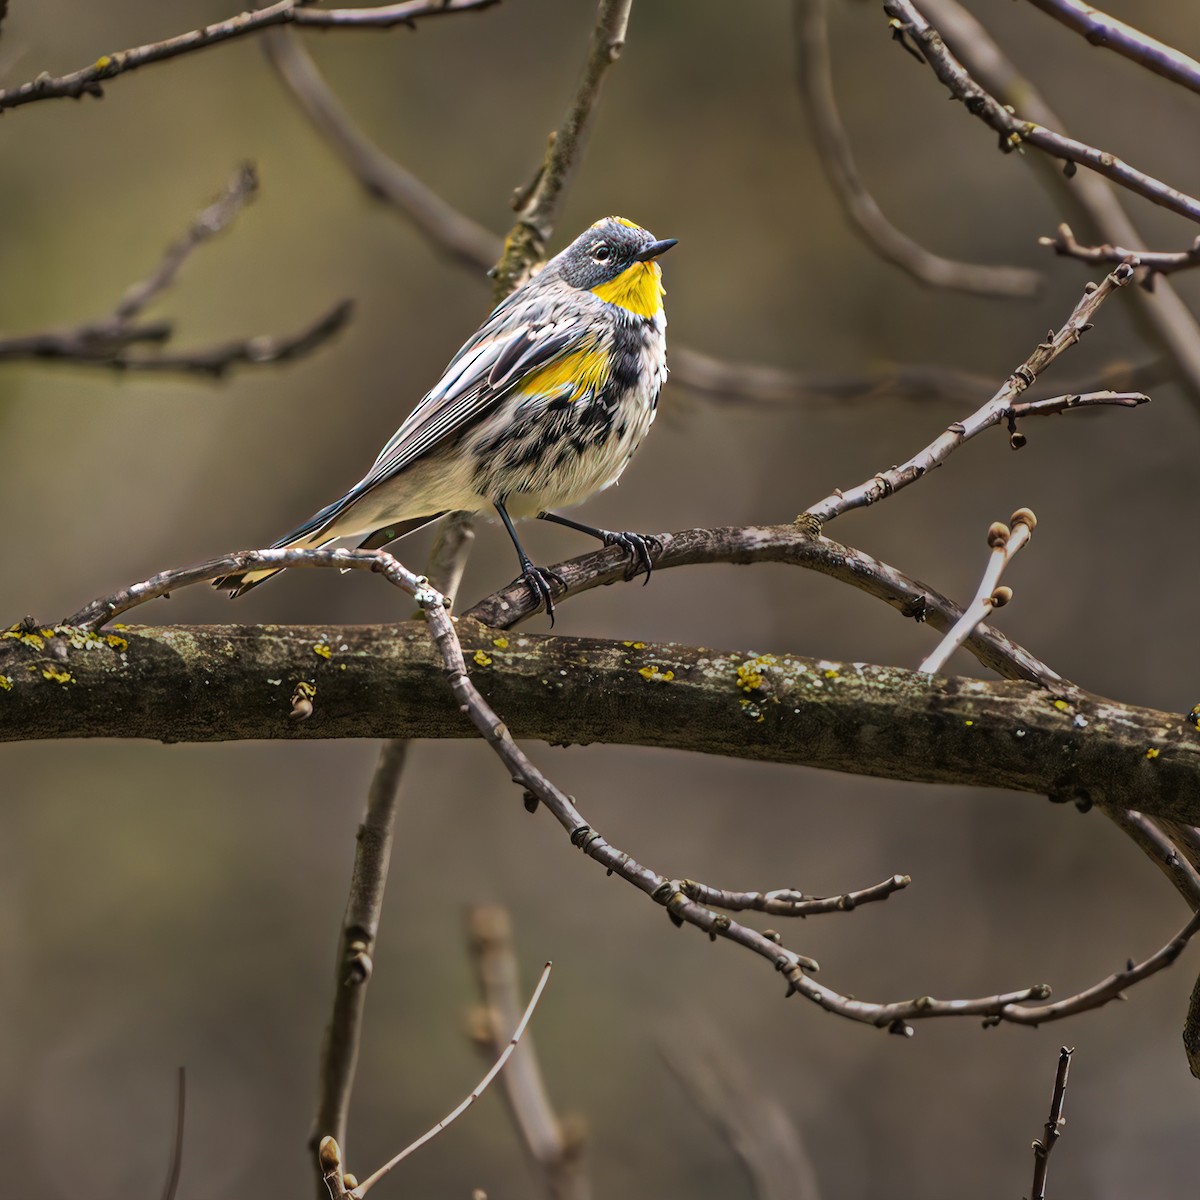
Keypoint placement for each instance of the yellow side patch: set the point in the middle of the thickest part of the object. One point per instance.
(581, 371)
(638, 288)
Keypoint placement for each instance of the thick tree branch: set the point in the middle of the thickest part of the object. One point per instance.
(201, 684)
(1102, 30)
(815, 78)
(1015, 132)
(89, 81)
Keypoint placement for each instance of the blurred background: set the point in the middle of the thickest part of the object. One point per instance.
(162, 905)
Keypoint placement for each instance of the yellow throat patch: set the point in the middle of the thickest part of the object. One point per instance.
(638, 288)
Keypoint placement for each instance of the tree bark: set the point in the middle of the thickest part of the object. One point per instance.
(220, 683)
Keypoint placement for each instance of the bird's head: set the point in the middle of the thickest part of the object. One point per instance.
(615, 260)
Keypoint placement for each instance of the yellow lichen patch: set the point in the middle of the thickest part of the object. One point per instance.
(323, 650)
(25, 637)
(654, 675)
(635, 645)
(750, 709)
(1061, 705)
(481, 659)
(57, 675)
(968, 722)
(751, 674)
(1194, 716)
(501, 643)
(830, 673)
(117, 642)
(1153, 752)
(6, 683)
(103, 63)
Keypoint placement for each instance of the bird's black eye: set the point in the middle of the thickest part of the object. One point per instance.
(601, 252)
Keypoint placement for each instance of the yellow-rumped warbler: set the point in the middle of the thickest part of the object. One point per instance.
(542, 407)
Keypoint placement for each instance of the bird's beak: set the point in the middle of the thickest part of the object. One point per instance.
(655, 249)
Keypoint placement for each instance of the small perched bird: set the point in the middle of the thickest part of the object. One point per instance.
(541, 408)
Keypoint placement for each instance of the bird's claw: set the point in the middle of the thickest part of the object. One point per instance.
(639, 547)
(541, 582)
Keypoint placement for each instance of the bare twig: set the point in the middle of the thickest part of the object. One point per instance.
(89, 81)
(755, 1124)
(1156, 262)
(885, 483)
(537, 205)
(329, 1154)
(176, 1163)
(1015, 132)
(1061, 404)
(788, 902)
(815, 78)
(1042, 1147)
(1163, 315)
(1005, 544)
(444, 226)
(1102, 30)
(555, 1146)
(108, 342)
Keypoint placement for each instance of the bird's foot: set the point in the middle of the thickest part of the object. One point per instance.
(639, 546)
(541, 582)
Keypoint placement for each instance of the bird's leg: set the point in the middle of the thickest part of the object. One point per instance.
(537, 579)
(637, 545)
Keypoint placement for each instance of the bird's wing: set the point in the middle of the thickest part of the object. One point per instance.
(509, 345)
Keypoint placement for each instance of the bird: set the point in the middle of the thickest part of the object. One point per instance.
(541, 408)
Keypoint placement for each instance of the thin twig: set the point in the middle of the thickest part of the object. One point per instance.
(556, 1147)
(537, 205)
(90, 80)
(1163, 315)
(1042, 1147)
(1005, 544)
(1015, 132)
(363, 1188)
(108, 342)
(885, 483)
(368, 882)
(815, 78)
(1102, 30)
(175, 1166)
(1156, 262)
(1073, 400)
(789, 902)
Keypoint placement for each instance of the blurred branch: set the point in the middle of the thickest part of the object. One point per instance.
(996, 410)
(788, 902)
(779, 544)
(1156, 262)
(107, 342)
(815, 78)
(753, 1122)
(1042, 1147)
(175, 1166)
(1163, 315)
(1015, 132)
(556, 1147)
(89, 81)
(1102, 30)
(1004, 543)
(537, 204)
(443, 226)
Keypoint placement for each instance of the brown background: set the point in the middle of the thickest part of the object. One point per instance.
(165, 905)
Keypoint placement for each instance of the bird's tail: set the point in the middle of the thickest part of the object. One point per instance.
(315, 532)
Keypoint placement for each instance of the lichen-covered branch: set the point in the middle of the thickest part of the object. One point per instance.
(204, 684)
